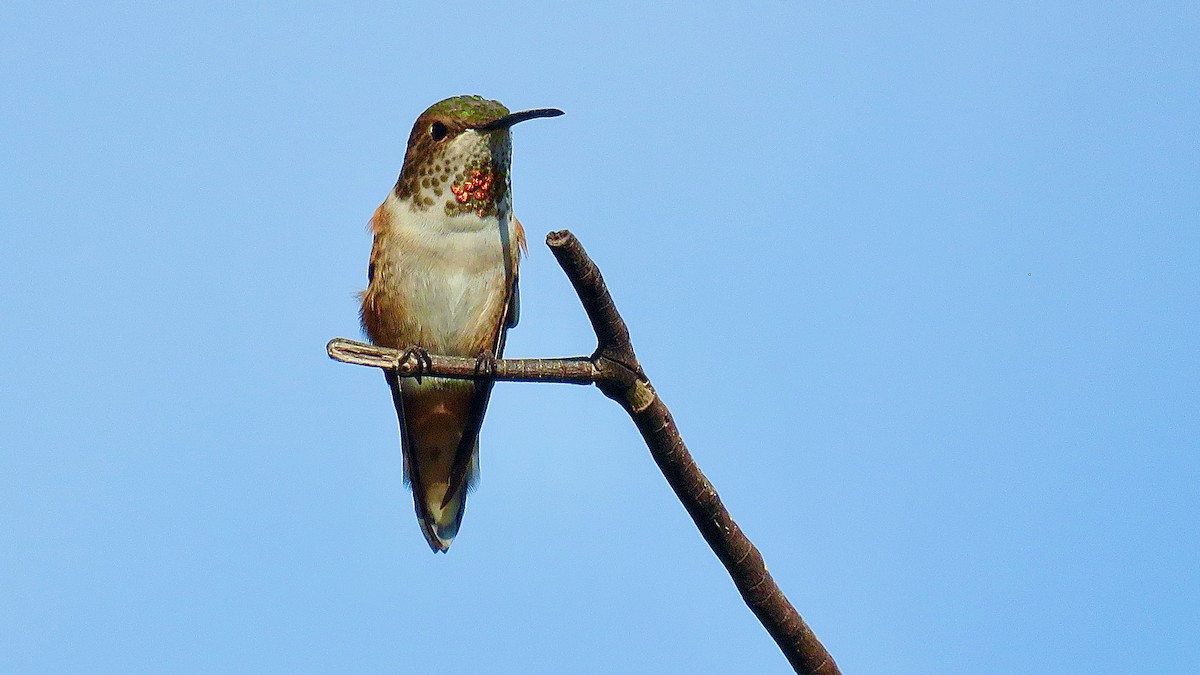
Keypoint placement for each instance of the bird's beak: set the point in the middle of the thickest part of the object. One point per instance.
(512, 118)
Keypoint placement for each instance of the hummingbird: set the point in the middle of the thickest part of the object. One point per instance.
(442, 278)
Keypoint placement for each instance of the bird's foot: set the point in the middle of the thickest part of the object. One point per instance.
(420, 357)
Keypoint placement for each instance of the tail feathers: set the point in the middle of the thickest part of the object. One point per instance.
(440, 517)
(439, 524)
(432, 423)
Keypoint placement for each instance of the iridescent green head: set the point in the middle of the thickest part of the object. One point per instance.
(459, 154)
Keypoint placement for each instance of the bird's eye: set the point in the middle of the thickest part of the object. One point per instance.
(438, 131)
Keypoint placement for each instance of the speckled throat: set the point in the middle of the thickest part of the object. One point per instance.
(453, 165)
(468, 173)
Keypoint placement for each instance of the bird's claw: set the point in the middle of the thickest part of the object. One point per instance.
(420, 356)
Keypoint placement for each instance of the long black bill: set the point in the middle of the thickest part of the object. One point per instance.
(512, 118)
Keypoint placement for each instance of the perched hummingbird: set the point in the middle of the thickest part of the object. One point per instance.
(443, 279)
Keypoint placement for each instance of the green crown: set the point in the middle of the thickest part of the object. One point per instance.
(470, 109)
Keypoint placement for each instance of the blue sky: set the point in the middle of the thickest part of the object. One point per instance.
(918, 282)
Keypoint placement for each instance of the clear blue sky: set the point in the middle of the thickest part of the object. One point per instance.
(919, 283)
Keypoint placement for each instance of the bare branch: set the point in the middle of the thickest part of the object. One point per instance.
(614, 368)
(575, 370)
(612, 335)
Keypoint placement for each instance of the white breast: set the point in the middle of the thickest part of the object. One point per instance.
(451, 274)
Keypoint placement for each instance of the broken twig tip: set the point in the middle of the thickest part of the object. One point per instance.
(559, 238)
